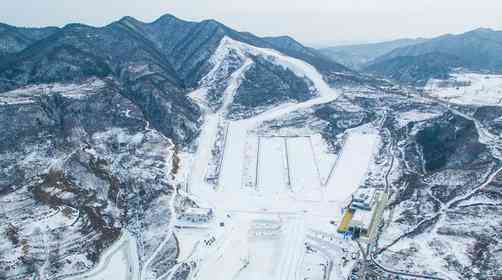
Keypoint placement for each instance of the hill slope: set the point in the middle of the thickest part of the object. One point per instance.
(477, 50)
(15, 39)
(416, 70)
(357, 56)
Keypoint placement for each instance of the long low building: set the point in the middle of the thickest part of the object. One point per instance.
(196, 215)
(364, 198)
(361, 222)
(359, 217)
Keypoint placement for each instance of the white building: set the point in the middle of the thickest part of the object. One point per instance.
(196, 215)
(367, 208)
(364, 198)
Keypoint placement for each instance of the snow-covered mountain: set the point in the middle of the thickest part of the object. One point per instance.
(189, 150)
(476, 50)
(358, 56)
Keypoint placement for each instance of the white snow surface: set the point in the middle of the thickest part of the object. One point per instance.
(297, 66)
(303, 169)
(468, 88)
(352, 165)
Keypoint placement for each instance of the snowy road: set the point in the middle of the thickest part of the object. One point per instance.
(119, 262)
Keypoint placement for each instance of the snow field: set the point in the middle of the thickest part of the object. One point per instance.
(188, 241)
(272, 170)
(224, 258)
(315, 264)
(237, 253)
(231, 177)
(262, 260)
(303, 169)
(292, 250)
(352, 165)
(468, 88)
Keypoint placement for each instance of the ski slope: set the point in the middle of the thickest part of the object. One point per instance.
(352, 165)
(304, 171)
(272, 175)
(261, 177)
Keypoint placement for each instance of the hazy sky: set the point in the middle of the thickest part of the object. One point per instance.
(310, 21)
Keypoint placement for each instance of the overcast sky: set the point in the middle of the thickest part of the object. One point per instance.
(317, 22)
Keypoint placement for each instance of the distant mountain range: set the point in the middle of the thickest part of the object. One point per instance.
(15, 39)
(181, 49)
(416, 61)
(357, 56)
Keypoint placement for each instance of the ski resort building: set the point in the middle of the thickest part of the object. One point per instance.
(359, 216)
(196, 215)
(361, 222)
(364, 198)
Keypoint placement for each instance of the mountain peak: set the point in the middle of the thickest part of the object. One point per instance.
(483, 29)
(167, 18)
(284, 40)
(129, 19)
(211, 22)
(75, 26)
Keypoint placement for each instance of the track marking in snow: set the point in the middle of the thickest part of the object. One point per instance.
(292, 250)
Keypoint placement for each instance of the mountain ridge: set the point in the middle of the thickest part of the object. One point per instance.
(475, 50)
(357, 56)
(187, 44)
